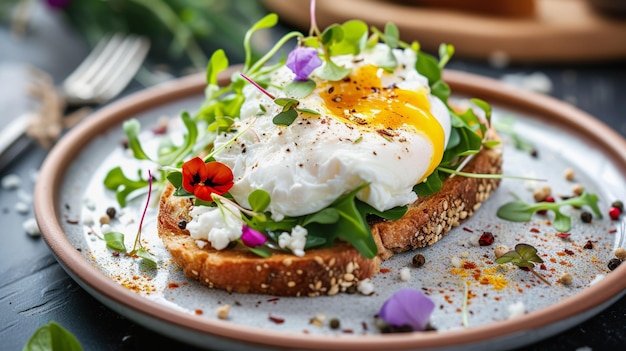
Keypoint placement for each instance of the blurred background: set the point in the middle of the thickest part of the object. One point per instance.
(573, 50)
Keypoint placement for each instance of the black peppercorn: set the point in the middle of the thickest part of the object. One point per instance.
(334, 323)
(586, 217)
(182, 224)
(614, 263)
(619, 205)
(111, 212)
(418, 260)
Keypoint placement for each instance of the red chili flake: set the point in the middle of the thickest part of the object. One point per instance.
(486, 239)
(364, 325)
(385, 270)
(116, 254)
(467, 229)
(199, 312)
(614, 213)
(348, 331)
(569, 252)
(563, 235)
(613, 231)
(173, 285)
(535, 230)
(160, 129)
(71, 221)
(542, 267)
(469, 265)
(276, 320)
(588, 245)
(273, 299)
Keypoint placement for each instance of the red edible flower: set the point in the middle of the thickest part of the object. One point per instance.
(204, 179)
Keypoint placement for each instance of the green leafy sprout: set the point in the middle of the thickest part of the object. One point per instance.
(520, 211)
(523, 256)
(115, 240)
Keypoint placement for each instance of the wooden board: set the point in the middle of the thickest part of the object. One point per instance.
(560, 31)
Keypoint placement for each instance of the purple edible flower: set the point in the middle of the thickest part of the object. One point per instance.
(302, 61)
(58, 3)
(407, 307)
(251, 237)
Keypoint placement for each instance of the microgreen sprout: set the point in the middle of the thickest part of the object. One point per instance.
(520, 211)
(523, 256)
(290, 108)
(115, 240)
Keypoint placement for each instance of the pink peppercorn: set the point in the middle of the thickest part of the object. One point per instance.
(614, 213)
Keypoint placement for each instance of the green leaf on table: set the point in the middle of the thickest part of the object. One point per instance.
(123, 186)
(52, 337)
(147, 257)
(285, 118)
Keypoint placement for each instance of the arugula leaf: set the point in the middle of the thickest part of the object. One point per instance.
(132, 128)
(520, 211)
(147, 257)
(217, 63)
(52, 337)
(268, 21)
(430, 185)
(123, 186)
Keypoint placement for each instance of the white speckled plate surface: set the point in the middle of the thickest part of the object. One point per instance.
(70, 190)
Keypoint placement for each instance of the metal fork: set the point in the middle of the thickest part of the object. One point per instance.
(102, 75)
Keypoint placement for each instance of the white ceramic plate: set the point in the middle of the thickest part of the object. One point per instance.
(70, 191)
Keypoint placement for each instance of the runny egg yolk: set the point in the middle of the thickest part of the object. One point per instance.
(361, 99)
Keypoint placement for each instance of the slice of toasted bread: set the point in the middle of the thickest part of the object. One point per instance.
(326, 271)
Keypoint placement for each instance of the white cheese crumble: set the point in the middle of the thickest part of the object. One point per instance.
(405, 274)
(295, 241)
(87, 219)
(22, 207)
(11, 181)
(516, 310)
(31, 227)
(219, 225)
(365, 287)
(89, 203)
(456, 262)
(201, 243)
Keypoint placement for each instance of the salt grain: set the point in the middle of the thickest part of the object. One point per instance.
(405, 274)
(11, 181)
(89, 203)
(31, 227)
(201, 243)
(22, 208)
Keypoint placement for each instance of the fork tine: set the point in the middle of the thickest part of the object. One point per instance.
(76, 84)
(124, 64)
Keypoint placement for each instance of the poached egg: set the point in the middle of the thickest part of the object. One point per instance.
(375, 127)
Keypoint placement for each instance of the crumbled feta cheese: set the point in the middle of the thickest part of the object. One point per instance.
(106, 228)
(456, 262)
(516, 310)
(365, 287)
(219, 225)
(223, 311)
(405, 274)
(88, 219)
(22, 208)
(11, 181)
(596, 279)
(31, 227)
(89, 203)
(294, 242)
(201, 243)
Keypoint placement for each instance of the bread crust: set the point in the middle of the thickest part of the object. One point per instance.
(326, 271)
